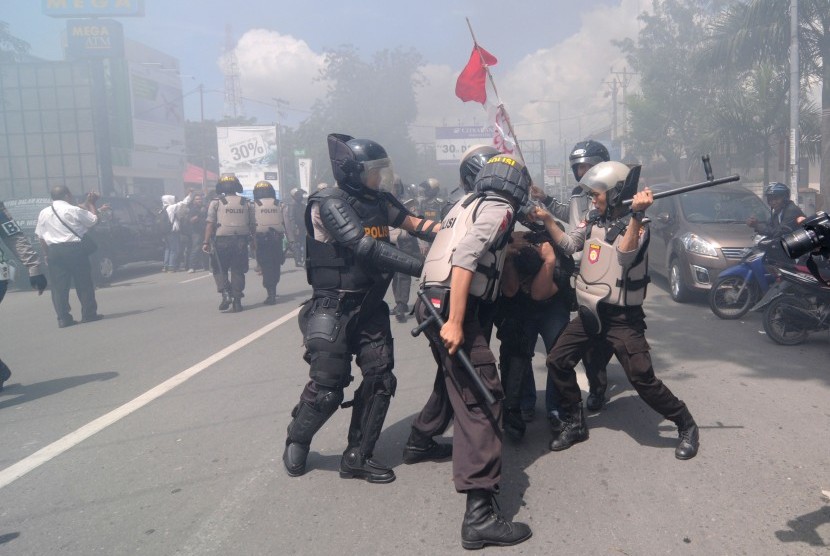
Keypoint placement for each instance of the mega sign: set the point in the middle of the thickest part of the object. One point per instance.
(93, 8)
(94, 38)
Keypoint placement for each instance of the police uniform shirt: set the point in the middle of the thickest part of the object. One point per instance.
(575, 241)
(213, 213)
(394, 216)
(493, 220)
(52, 231)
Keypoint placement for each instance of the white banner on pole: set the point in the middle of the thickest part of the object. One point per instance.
(304, 172)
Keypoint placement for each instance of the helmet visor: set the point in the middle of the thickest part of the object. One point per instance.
(378, 174)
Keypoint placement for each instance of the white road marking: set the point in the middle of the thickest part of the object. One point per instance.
(194, 279)
(14, 472)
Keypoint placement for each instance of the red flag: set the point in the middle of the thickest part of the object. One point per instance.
(471, 82)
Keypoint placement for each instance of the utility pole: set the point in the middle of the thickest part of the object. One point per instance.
(624, 79)
(204, 136)
(794, 100)
(281, 182)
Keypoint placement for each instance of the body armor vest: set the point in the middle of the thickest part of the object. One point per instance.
(431, 209)
(460, 219)
(602, 278)
(268, 216)
(232, 216)
(332, 266)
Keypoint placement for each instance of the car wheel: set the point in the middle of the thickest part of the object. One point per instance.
(731, 297)
(102, 269)
(678, 289)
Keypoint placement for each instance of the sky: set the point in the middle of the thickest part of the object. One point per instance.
(555, 56)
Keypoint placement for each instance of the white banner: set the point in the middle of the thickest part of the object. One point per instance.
(304, 173)
(249, 153)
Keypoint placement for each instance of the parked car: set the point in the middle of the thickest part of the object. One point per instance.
(125, 233)
(696, 235)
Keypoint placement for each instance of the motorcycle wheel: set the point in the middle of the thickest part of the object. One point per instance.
(777, 326)
(726, 301)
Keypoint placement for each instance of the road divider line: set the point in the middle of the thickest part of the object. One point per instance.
(194, 279)
(24, 466)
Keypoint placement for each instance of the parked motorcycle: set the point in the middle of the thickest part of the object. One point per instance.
(739, 287)
(795, 307)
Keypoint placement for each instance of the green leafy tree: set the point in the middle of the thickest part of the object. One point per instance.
(372, 99)
(749, 31)
(12, 49)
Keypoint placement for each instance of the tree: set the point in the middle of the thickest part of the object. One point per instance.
(371, 99)
(12, 49)
(754, 30)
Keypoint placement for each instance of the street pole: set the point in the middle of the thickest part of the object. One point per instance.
(794, 86)
(204, 137)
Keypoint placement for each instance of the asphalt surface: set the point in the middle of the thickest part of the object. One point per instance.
(159, 430)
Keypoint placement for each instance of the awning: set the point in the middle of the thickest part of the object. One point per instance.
(193, 174)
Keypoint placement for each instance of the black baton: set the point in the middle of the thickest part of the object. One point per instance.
(435, 318)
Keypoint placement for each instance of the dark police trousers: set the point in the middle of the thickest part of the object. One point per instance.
(69, 265)
(623, 329)
(477, 436)
(232, 255)
(269, 257)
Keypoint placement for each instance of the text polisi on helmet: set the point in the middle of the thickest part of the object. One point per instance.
(504, 174)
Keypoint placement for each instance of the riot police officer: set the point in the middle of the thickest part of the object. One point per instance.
(230, 226)
(610, 289)
(461, 271)
(349, 265)
(269, 235)
(13, 237)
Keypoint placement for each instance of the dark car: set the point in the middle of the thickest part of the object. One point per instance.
(126, 233)
(696, 235)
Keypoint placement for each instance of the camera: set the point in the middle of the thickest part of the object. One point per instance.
(814, 234)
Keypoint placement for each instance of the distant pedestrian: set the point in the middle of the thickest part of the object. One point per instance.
(175, 213)
(194, 223)
(61, 228)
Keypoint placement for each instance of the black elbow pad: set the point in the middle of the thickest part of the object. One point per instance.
(385, 257)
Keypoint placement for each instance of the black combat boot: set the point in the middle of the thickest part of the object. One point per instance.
(484, 526)
(237, 305)
(354, 465)
(689, 437)
(271, 299)
(226, 300)
(418, 449)
(294, 457)
(574, 429)
(596, 399)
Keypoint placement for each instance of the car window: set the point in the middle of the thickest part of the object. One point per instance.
(720, 206)
(119, 212)
(661, 206)
(143, 215)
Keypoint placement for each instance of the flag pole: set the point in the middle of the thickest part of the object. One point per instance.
(496, 91)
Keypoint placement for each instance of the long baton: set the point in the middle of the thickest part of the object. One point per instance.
(215, 253)
(435, 318)
(710, 181)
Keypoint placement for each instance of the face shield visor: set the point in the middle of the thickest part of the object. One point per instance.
(378, 174)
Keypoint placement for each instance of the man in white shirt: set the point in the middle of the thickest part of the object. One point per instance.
(60, 228)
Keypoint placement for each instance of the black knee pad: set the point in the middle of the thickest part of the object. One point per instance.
(328, 400)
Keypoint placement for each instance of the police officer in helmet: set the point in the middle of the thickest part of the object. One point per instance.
(230, 226)
(462, 271)
(350, 263)
(269, 235)
(610, 289)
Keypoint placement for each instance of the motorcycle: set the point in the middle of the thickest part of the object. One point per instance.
(795, 307)
(739, 287)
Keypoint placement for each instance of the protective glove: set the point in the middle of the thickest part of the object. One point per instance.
(38, 281)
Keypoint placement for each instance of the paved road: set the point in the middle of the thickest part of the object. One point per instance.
(159, 430)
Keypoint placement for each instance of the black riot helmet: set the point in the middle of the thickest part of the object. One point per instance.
(430, 188)
(506, 175)
(360, 166)
(228, 185)
(264, 190)
(588, 152)
(617, 180)
(777, 189)
(473, 161)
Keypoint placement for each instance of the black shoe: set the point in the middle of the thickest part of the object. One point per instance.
(689, 440)
(595, 400)
(270, 300)
(574, 429)
(432, 452)
(294, 458)
(226, 301)
(484, 526)
(5, 374)
(237, 306)
(93, 318)
(65, 323)
(353, 465)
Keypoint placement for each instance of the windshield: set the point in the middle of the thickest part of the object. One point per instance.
(722, 206)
